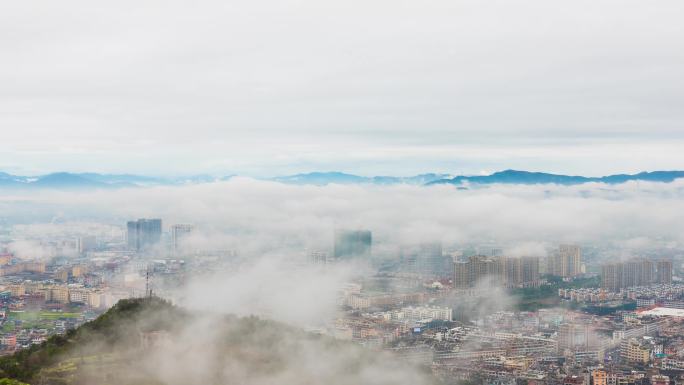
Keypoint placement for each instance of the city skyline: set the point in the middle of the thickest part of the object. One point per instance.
(440, 192)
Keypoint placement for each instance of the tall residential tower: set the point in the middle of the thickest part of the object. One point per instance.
(352, 244)
(179, 234)
(143, 233)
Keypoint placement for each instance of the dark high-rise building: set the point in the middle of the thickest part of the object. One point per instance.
(352, 244)
(664, 271)
(132, 235)
(143, 233)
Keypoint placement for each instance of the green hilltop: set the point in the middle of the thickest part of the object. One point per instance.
(116, 329)
(148, 341)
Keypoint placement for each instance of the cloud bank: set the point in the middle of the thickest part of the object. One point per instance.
(258, 217)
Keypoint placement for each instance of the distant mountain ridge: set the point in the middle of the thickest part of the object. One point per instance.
(527, 177)
(76, 181)
(501, 177)
(66, 180)
(336, 177)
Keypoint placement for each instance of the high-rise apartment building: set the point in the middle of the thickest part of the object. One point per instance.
(567, 262)
(179, 234)
(638, 272)
(318, 257)
(469, 273)
(352, 244)
(132, 230)
(426, 259)
(635, 272)
(611, 276)
(664, 271)
(508, 271)
(461, 275)
(86, 243)
(143, 233)
(520, 270)
(574, 336)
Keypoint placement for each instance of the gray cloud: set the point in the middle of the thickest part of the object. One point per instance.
(369, 87)
(259, 217)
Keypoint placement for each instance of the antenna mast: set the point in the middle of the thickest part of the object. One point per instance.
(148, 290)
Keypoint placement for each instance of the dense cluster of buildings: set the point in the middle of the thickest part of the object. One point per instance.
(556, 347)
(39, 293)
(430, 304)
(77, 279)
(525, 271)
(644, 296)
(463, 340)
(636, 272)
(509, 271)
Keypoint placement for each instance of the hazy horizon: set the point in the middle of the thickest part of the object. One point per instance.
(338, 171)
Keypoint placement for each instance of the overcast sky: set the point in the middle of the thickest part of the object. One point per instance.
(370, 87)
